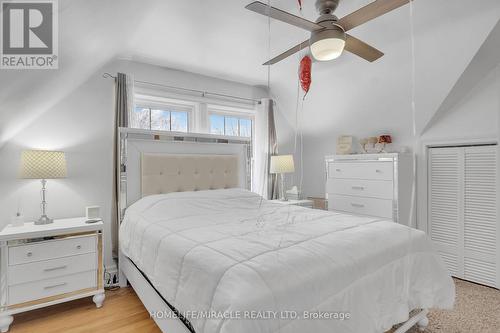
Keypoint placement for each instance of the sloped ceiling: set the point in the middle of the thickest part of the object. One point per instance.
(485, 61)
(90, 33)
(222, 39)
(352, 96)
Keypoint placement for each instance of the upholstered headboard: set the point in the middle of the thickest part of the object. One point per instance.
(165, 173)
(158, 166)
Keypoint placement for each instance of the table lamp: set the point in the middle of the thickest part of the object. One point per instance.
(281, 164)
(43, 165)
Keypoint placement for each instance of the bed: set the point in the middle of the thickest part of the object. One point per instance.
(207, 256)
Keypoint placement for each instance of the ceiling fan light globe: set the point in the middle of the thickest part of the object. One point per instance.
(327, 49)
(327, 44)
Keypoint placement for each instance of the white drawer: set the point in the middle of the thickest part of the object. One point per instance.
(361, 205)
(52, 249)
(46, 269)
(380, 170)
(382, 189)
(31, 291)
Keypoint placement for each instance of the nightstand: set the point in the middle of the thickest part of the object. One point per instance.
(42, 265)
(302, 203)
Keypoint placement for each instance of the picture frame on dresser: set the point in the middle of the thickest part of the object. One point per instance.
(377, 185)
(43, 265)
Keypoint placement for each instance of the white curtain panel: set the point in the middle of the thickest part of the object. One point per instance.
(263, 148)
(130, 96)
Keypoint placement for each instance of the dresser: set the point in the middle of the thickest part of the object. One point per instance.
(377, 185)
(42, 265)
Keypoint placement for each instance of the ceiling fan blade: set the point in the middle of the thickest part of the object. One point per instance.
(288, 53)
(280, 15)
(369, 12)
(361, 49)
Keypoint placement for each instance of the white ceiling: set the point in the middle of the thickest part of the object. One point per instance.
(352, 96)
(222, 39)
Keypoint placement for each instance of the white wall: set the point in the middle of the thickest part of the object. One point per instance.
(473, 120)
(350, 96)
(81, 124)
(475, 116)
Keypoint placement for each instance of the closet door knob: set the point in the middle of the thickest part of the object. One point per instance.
(29, 254)
(79, 247)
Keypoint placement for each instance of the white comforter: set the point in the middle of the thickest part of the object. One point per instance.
(230, 252)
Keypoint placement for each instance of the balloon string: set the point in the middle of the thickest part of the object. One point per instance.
(269, 47)
(301, 148)
(408, 272)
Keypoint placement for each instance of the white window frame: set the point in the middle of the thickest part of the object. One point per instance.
(226, 111)
(169, 104)
(200, 108)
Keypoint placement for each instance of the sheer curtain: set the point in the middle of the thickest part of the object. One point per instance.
(266, 145)
(124, 102)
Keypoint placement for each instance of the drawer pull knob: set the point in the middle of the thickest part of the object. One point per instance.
(79, 247)
(337, 170)
(357, 205)
(358, 188)
(29, 254)
(378, 171)
(55, 285)
(54, 268)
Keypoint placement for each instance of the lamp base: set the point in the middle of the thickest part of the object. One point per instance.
(44, 219)
(282, 188)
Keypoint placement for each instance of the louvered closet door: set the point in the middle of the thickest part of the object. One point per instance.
(445, 169)
(463, 216)
(480, 215)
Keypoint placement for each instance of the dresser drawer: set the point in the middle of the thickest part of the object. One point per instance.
(382, 189)
(52, 249)
(361, 205)
(379, 170)
(46, 269)
(31, 291)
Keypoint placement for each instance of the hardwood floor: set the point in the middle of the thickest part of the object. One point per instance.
(122, 312)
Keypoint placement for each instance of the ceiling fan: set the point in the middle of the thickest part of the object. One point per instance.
(328, 33)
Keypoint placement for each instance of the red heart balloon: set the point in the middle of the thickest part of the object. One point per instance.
(305, 73)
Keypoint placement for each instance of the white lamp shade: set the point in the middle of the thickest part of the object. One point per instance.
(282, 164)
(43, 164)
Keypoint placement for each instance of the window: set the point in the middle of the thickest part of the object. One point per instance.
(231, 125)
(190, 114)
(165, 118)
